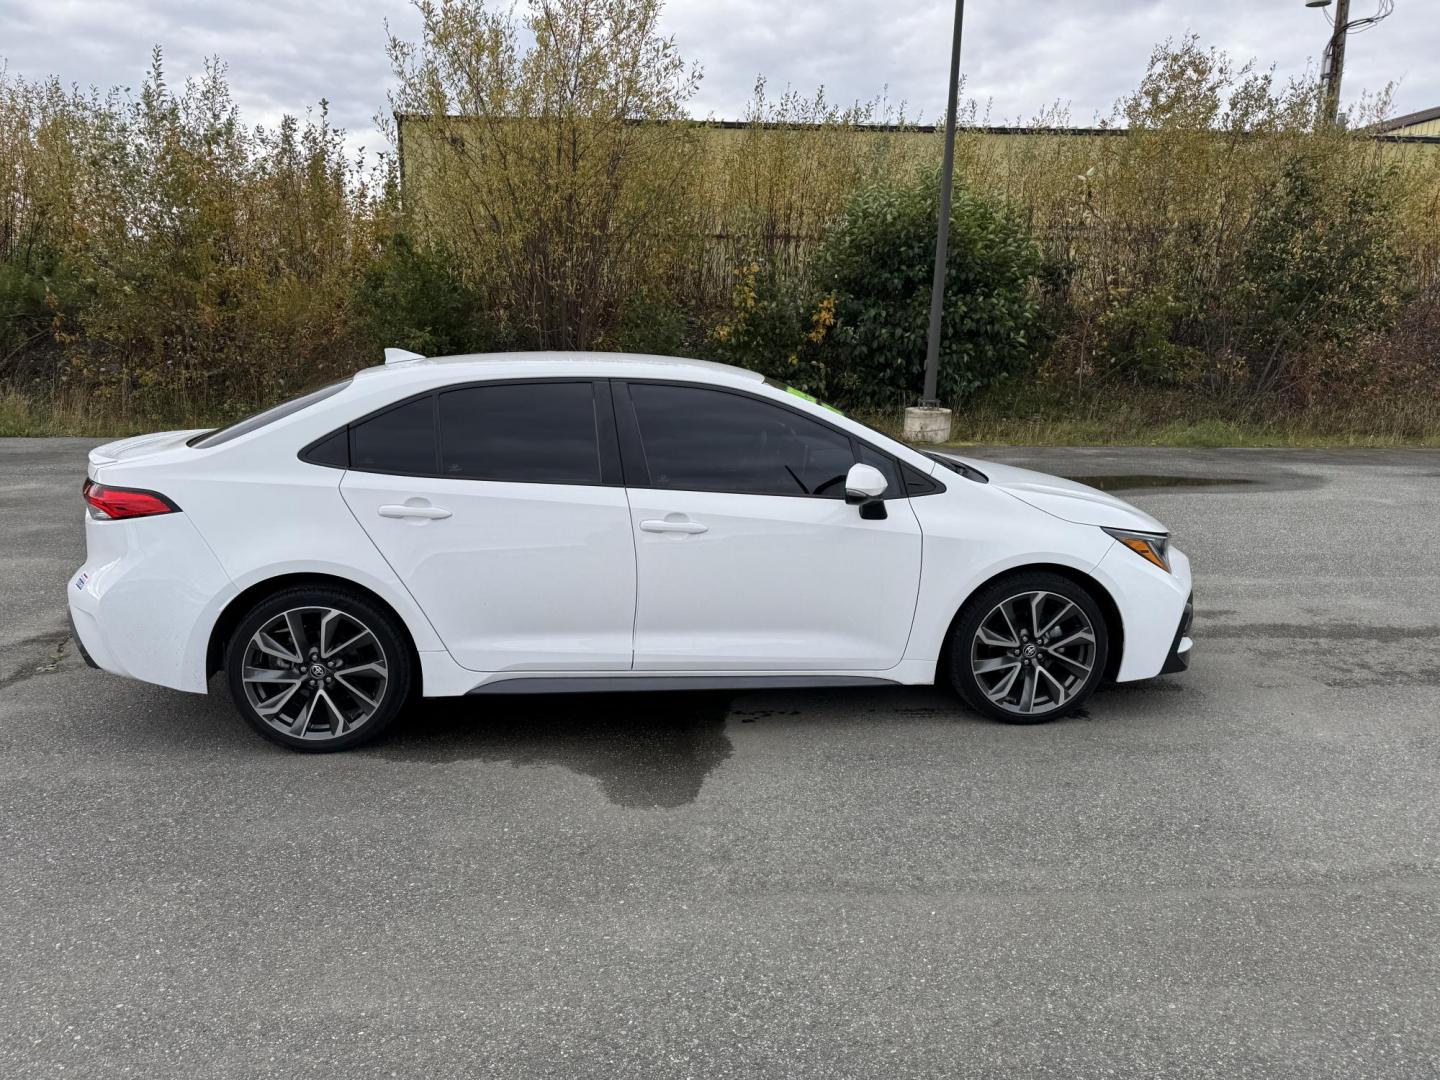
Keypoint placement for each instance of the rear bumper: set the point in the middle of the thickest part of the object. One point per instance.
(79, 641)
(143, 603)
(1179, 658)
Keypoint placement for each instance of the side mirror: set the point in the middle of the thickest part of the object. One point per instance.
(865, 487)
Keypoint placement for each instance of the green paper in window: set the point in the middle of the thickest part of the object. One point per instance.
(812, 399)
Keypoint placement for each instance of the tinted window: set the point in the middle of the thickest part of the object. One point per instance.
(539, 433)
(708, 440)
(401, 440)
(269, 416)
(333, 450)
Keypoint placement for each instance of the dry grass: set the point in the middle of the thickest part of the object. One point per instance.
(1133, 417)
(1005, 417)
(21, 415)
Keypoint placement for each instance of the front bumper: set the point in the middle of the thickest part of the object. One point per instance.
(1179, 658)
(1151, 604)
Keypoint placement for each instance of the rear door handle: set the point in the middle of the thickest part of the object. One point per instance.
(657, 525)
(406, 510)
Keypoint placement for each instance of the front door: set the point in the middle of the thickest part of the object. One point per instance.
(492, 504)
(748, 557)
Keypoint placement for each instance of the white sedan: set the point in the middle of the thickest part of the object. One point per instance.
(543, 522)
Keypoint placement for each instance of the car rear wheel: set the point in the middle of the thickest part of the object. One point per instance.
(318, 669)
(1029, 648)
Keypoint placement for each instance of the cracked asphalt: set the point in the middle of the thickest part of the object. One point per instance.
(1226, 873)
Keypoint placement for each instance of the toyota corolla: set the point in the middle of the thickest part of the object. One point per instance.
(543, 523)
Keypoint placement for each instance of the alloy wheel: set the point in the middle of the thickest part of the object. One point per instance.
(314, 673)
(1033, 652)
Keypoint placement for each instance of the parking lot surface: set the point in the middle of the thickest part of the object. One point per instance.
(1226, 873)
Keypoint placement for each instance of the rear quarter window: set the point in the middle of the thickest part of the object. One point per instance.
(399, 440)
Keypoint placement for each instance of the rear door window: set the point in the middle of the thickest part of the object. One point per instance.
(528, 433)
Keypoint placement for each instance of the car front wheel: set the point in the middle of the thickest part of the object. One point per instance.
(318, 669)
(1029, 648)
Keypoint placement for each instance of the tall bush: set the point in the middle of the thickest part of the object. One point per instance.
(1318, 268)
(856, 332)
(770, 187)
(411, 297)
(556, 162)
(166, 259)
(878, 260)
(1222, 235)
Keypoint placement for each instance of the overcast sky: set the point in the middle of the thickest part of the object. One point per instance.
(1019, 55)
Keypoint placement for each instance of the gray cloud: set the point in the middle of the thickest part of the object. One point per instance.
(1018, 57)
(283, 57)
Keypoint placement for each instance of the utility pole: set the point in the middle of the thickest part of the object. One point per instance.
(1334, 64)
(931, 423)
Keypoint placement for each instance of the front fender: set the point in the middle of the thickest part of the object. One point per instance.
(968, 542)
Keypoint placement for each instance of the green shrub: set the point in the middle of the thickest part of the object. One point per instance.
(1318, 268)
(855, 332)
(772, 329)
(648, 325)
(1139, 337)
(38, 297)
(411, 298)
(168, 259)
(878, 261)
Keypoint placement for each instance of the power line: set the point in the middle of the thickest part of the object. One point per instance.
(1332, 64)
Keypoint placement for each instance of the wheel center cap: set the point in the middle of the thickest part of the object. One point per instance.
(318, 671)
(1029, 650)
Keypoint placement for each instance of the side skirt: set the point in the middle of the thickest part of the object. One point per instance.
(597, 684)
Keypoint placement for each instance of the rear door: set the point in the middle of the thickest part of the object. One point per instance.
(748, 557)
(500, 506)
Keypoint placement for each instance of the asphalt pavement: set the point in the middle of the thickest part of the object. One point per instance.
(1226, 873)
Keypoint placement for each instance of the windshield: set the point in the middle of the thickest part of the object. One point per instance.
(268, 416)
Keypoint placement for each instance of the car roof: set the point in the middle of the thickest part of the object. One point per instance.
(529, 365)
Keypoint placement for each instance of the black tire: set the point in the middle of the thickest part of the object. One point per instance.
(1053, 664)
(376, 683)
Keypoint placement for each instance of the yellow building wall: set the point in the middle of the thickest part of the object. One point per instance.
(1428, 127)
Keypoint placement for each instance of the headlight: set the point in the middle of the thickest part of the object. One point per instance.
(1152, 547)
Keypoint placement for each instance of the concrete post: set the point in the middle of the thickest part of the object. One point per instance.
(927, 424)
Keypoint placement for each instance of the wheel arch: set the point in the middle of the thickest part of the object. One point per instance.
(1114, 624)
(240, 604)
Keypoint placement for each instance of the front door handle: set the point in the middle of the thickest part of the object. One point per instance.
(666, 526)
(419, 510)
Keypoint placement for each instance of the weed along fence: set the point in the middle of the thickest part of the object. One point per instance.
(768, 189)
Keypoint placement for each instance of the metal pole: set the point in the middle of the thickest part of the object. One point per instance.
(942, 230)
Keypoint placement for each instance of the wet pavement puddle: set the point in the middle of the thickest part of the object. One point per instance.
(647, 750)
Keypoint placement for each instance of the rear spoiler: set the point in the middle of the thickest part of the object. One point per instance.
(139, 446)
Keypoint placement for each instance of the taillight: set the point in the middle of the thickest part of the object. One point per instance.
(113, 502)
